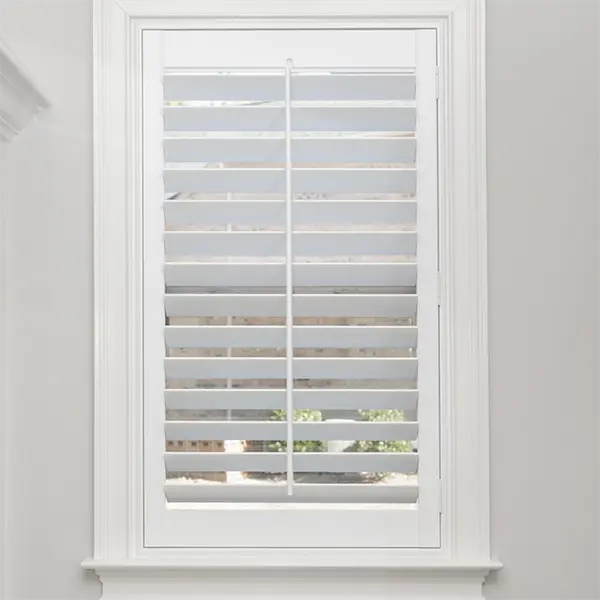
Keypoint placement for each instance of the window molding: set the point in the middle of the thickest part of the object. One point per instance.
(119, 553)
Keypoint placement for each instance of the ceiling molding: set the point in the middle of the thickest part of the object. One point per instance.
(21, 99)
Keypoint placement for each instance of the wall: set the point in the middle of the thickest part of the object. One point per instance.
(543, 61)
(3, 382)
(47, 191)
(543, 162)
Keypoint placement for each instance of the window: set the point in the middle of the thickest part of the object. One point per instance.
(290, 299)
(290, 285)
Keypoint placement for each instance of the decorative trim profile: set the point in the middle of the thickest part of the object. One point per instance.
(21, 99)
(164, 582)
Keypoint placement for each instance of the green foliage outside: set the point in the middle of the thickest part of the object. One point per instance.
(299, 446)
(381, 416)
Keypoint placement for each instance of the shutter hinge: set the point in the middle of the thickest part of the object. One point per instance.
(439, 288)
(441, 497)
(437, 82)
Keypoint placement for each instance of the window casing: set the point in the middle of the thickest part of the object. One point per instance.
(120, 508)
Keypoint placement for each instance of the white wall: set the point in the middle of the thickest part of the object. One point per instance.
(3, 382)
(543, 61)
(46, 189)
(543, 163)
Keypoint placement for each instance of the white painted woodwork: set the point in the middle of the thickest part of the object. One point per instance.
(199, 399)
(304, 180)
(306, 87)
(346, 336)
(304, 462)
(194, 149)
(245, 212)
(305, 305)
(263, 430)
(305, 493)
(363, 274)
(121, 558)
(304, 368)
(251, 243)
(305, 118)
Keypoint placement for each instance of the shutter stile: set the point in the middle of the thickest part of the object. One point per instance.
(291, 432)
(291, 278)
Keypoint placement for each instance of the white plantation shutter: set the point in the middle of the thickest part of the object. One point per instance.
(299, 294)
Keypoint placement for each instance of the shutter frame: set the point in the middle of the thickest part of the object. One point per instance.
(186, 291)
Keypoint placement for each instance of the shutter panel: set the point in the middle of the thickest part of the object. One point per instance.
(335, 154)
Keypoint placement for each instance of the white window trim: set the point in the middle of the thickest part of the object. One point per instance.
(120, 557)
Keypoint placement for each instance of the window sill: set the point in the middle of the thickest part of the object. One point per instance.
(296, 574)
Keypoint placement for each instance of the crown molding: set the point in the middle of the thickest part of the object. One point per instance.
(21, 99)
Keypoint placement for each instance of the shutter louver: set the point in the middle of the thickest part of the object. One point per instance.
(354, 299)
